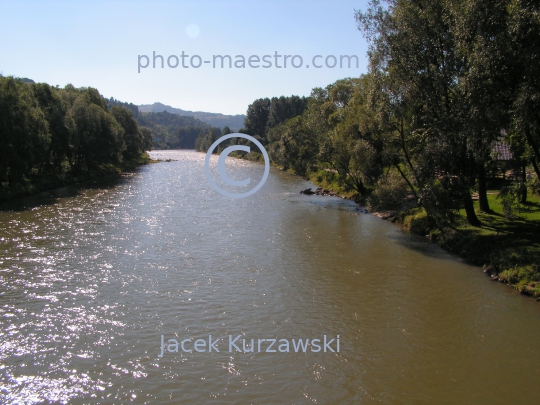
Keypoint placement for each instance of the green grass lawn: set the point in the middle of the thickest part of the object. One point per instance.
(528, 212)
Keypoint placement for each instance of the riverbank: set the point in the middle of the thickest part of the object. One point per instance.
(508, 249)
(37, 184)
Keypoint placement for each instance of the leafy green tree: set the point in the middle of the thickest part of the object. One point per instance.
(414, 42)
(297, 146)
(203, 143)
(257, 117)
(96, 136)
(133, 137)
(24, 138)
(111, 102)
(483, 42)
(355, 147)
(284, 108)
(43, 126)
(147, 138)
(172, 131)
(524, 30)
(54, 109)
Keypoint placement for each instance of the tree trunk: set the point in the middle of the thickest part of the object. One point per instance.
(535, 166)
(482, 189)
(523, 197)
(469, 210)
(413, 190)
(534, 147)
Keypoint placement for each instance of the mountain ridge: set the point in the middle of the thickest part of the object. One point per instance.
(234, 122)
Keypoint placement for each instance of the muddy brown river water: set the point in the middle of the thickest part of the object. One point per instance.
(92, 277)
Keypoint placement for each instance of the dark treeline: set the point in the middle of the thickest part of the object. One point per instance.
(262, 116)
(445, 80)
(111, 102)
(48, 133)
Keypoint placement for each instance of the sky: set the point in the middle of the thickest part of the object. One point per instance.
(103, 44)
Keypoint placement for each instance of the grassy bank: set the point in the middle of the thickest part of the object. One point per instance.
(37, 183)
(507, 248)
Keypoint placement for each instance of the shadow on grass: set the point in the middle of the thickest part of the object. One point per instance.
(500, 241)
(530, 207)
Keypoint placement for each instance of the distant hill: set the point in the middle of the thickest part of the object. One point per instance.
(173, 131)
(22, 79)
(235, 122)
(169, 131)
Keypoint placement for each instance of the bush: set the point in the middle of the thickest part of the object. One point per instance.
(388, 194)
(509, 196)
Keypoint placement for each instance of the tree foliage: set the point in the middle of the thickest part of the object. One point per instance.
(42, 127)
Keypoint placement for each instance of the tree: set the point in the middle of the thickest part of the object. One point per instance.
(284, 108)
(484, 45)
(257, 117)
(132, 135)
(96, 136)
(203, 143)
(147, 138)
(24, 138)
(54, 109)
(354, 145)
(414, 43)
(172, 131)
(524, 30)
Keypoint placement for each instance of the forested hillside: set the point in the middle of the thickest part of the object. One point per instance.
(234, 122)
(169, 130)
(173, 131)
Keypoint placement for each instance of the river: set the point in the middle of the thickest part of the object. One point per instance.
(92, 277)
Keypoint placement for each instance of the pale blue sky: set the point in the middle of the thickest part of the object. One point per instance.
(97, 43)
